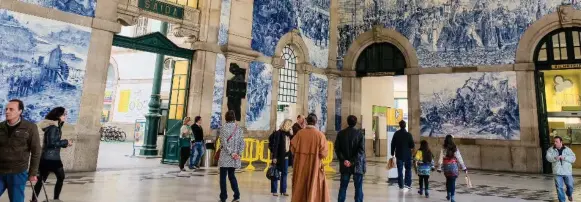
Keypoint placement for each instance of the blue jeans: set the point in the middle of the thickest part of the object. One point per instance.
(560, 182)
(357, 180)
(15, 184)
(401, 164)
(451, 187)
(197, 153)
(233, 183)
(283, 180)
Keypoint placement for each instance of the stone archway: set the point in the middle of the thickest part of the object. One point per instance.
(566, 16)
(377, 35)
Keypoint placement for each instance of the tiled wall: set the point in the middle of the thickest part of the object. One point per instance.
(258, 96)
(318, 85)
(81, 7)
(444, 34)
(475, 105)
(42, 62)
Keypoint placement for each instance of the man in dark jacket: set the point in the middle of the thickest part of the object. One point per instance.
(19, 147)
(402, 145)
(197, 143)
(300, 124)
(350, 150)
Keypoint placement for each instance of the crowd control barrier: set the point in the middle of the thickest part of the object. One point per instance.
(264, 154)
(250, 153)
(327, 161)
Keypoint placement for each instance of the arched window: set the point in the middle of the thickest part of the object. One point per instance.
(287, 90)
(562, 46)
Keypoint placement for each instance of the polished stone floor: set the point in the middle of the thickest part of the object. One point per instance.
(162, 183)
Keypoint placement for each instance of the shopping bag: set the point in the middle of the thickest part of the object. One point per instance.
(391, 163)
(272, 173)
(43, 189)
(468, 181)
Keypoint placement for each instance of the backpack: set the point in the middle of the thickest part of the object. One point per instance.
(271, 141)
(450, 166)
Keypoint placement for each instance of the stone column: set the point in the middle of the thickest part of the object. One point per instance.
(331, 86)
(530, 152)
(414, 112)
(277, 65)
(303, 90)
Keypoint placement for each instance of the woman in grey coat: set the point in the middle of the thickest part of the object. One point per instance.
(232, 146)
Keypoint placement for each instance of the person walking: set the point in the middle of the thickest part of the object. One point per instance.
(449, 160)
(19, 150)
(231, 148)
(424, 160)
(350, 150)
(279, 145)
(402, 145)
(310, 148)
(185, 143)
(50, 160)
(197, 143)
(562, 158)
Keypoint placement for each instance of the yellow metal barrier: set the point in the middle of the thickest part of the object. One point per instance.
(327, 161)
(261, 155)
(250, 153)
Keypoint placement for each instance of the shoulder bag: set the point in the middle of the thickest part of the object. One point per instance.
(219, 151)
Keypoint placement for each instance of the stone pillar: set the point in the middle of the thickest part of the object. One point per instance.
(414, 112)
(333, 33)
(331, 86)
(277, 65)
(303, 89)
(528, 158)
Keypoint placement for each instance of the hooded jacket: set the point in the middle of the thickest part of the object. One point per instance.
(52, 143)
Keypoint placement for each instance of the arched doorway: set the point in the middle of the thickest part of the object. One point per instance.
(383, 92)
(557, 60)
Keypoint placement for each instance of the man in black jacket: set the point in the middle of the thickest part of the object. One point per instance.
(350, 150)
(197, 143)
(402, 145)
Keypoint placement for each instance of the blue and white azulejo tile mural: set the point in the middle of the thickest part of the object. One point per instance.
(318, 86)
(273, 19)
(224, 22)
(447, 33)
(258, 96)
(216, 119)
(470, 105)
(42, 63)
(338, 101)
(79, 7)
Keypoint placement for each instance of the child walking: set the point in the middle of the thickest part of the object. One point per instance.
(450, 158)
(424, 162)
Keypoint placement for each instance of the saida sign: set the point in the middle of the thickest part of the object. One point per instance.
(162, 8)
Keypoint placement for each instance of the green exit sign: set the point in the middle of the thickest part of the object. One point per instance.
(162, 8)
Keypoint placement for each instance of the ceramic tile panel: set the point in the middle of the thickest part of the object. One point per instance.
(258, 96)
(318, 85)
(42, 63)
(475, 105)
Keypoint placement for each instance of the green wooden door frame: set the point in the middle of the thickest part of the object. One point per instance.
(158, 43)
(154, 43)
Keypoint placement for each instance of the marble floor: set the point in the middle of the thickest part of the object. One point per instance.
(147, 180)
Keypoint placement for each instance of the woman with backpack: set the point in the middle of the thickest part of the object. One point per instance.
(424, 161)
(50, 161)
(279, 145)
(450, 158)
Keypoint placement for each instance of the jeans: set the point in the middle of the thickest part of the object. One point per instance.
(424, 184)
(184, 155)
(60, 178)
(451, 187)
(233, 183)
(407, 164)
(197, 153)
(357, 180)
(283, 180)
(560, 182)
(15, 184)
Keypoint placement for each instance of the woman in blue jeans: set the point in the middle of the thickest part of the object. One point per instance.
(232, 146)
(279, 145)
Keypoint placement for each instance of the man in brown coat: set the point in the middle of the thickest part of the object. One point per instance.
(309, 147)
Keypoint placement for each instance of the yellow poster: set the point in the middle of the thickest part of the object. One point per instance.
(123, 105)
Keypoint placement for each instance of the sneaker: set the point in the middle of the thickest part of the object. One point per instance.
(570, 198)
(284, 194)
(405, 189)
(420, 192)
(274, 194)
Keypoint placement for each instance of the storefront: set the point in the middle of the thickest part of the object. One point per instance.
(558, 80)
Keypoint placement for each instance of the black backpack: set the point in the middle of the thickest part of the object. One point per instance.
(271, 141)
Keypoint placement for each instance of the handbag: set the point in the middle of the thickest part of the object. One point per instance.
(391, 163)
(219, 151)
(272, 173)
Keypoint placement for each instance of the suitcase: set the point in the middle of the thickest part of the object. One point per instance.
(43, 189)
